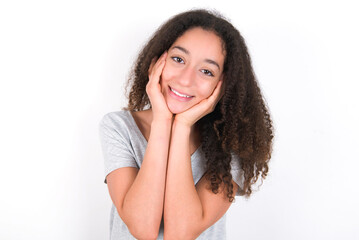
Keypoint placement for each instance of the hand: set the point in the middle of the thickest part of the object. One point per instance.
(153, 89)
(204, 107)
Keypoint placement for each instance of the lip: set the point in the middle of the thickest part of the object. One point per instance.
(182, 99)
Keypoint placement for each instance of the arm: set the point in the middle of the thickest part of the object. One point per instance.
(139, 194)
(189, 209)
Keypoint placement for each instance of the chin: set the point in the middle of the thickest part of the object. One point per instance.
(177, 109)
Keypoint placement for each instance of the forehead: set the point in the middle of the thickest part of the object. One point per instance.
(202, 43)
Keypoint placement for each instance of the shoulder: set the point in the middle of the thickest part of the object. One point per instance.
(237, 173)
(236, 161)
(116, 123)
(114, 117)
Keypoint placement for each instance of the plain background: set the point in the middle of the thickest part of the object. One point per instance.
(63, 65)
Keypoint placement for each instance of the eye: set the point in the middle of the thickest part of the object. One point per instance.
(178, 59)
(207, 72)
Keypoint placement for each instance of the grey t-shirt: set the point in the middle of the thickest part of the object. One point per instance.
(123, 145)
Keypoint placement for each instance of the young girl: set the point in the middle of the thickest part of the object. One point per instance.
(195, 134)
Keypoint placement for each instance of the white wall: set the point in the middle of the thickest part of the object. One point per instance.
(63, 65)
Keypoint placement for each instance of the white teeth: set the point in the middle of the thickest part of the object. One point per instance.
(178, 94)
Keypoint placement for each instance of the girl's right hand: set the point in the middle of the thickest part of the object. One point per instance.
(160, 110)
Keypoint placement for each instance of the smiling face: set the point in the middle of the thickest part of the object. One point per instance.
(194, 65)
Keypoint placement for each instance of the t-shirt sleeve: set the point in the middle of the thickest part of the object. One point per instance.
(116, 147)
(237, 174)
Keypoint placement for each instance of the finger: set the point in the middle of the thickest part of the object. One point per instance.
(158, 68)
(212, 100)
(217, 90)
(161, 59)
(222, 90)
(157, 61)
(157, 71)
(153, 61)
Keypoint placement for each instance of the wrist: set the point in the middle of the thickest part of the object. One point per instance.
(181, 124)
(162, 122)
(183, 120)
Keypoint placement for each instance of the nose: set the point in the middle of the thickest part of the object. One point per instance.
(187, 76)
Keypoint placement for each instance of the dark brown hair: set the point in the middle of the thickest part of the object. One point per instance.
(240, 127)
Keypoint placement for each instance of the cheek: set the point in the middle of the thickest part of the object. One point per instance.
(205, 89)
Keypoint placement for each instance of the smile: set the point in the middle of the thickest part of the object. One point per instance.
(180, 94)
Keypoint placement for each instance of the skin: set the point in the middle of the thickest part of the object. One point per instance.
(193, 67)
(165, 181)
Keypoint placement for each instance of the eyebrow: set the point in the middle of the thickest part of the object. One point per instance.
(210, 61)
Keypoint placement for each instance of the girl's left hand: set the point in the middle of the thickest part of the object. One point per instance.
(201, 109)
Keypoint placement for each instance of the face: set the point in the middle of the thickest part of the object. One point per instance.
(194, 65)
